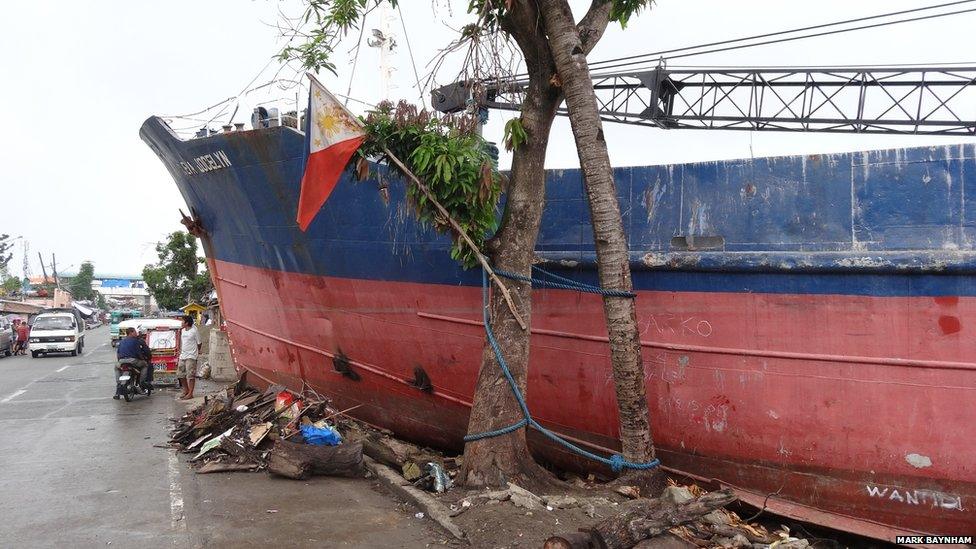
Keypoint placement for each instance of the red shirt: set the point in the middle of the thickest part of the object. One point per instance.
(22, 332)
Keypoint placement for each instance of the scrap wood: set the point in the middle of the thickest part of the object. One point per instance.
(258, 432)
(211, 444)
(340, 413)
(225, 467)
(198, 441)
(390, 451)
(237, 447)
(245, 401)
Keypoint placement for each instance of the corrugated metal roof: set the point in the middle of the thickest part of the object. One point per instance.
(18, 307)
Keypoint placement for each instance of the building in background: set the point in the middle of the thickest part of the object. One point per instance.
(19, 309)
(124, 292)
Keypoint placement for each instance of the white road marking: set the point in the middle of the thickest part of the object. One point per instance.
(175, 494)
(63, 368)
(14, 395)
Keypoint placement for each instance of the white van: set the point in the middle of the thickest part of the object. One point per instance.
(60, 332)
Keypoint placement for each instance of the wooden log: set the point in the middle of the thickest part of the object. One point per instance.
(648, 518)
(300, 461)
(392, 452)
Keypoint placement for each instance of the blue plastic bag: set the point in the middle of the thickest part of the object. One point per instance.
(325, 436)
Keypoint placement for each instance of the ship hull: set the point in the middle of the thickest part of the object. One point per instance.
(842, 384)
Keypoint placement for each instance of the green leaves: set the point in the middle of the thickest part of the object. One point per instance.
(623, 10)
(452, 160)
(515, 134)
(323, 25)
(81, 284)
(176, 279)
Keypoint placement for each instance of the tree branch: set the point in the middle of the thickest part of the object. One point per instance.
(461, 232)
(592, 26)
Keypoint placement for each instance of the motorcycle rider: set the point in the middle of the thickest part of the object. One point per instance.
(132, 350)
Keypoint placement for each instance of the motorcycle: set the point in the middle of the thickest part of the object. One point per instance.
(129, 383)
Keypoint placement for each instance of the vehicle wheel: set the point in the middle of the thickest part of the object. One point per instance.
(127, 393)
(7, 352)
(33, 354)
(74, 352)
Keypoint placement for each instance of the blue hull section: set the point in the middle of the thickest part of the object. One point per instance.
(881, 223)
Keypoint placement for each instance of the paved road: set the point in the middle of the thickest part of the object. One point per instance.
(78, 469)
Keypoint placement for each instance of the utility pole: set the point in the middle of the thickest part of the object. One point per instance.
(25, 284)
(54, 272)
(43, 269)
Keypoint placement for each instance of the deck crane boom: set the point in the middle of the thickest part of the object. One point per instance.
(935, 100)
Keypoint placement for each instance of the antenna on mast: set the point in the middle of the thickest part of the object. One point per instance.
(383, 40)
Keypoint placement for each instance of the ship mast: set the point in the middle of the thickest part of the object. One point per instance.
(384, 41)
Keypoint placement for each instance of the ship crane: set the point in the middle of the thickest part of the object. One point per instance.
(933, 100)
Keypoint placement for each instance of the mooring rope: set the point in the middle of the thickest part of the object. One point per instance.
(616, 462)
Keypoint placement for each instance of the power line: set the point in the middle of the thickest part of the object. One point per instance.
(792, 38)
(355, 59)
(824, 67)
(406, 35)
(651, 56)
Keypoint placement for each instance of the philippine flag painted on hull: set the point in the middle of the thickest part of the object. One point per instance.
(332, 136)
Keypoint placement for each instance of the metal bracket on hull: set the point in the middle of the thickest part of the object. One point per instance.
(193, 224)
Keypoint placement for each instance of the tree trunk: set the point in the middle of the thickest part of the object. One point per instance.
(499, 460)
(608, 230)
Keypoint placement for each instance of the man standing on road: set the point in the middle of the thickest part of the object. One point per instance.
(190, 345)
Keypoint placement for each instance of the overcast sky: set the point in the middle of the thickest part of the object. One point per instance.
(80, 78)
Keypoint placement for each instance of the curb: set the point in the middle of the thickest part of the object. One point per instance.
(433, 508)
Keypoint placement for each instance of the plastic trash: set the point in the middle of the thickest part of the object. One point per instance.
(283, 400)
(320, 436)
(442, 482)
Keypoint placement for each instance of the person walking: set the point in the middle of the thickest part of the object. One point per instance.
(186, 369)
(13, 335)
(22, 333)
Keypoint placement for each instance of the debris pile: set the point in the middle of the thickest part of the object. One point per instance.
(683, 516)
(243, 429)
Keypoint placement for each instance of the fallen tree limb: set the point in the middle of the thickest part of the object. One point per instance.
(641, 519)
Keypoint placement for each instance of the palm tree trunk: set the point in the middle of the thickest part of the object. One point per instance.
(608, 230)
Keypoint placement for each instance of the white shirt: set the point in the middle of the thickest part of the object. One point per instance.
(189, 340)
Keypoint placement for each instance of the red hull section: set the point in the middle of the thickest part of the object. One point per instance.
(858, 410)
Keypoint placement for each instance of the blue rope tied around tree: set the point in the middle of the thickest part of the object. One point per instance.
(563, 283)
(616, 462)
